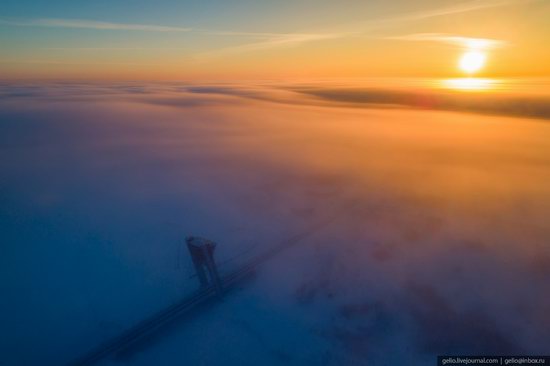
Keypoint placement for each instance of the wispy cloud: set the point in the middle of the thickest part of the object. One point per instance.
(91, 24)
(463, 7)
(266, 40)
(111, 48)
(61, 62)
(458, 8)
(261, 35)
(278, 40)
(460, 41)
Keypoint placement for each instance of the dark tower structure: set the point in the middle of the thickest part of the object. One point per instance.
(202, 254)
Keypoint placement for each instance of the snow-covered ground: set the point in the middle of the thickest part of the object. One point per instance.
(439, 241)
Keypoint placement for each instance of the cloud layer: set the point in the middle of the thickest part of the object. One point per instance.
(436, 243)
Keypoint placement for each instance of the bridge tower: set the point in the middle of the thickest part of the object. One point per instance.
(202, 254)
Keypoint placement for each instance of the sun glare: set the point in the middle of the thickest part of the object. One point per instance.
(469, 84)
(472, 61)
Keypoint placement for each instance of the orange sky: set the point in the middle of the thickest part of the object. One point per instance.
(302, 40)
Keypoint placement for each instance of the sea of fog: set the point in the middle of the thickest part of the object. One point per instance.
(431, 210)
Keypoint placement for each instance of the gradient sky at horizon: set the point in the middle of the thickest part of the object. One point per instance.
(245, 39)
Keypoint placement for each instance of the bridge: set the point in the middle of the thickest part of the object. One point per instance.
(208, 293)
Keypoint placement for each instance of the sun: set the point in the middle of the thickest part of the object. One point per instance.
(472, 61)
